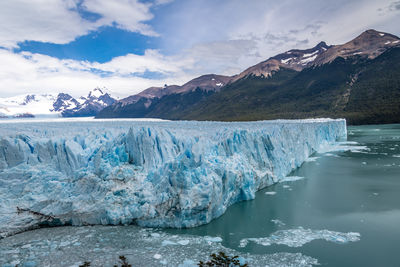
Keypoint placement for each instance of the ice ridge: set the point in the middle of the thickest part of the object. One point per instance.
(158, 174)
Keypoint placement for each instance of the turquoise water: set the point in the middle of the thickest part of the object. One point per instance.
(341, 191)
(344, 212)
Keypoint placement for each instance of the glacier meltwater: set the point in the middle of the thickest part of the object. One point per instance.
(150, 173)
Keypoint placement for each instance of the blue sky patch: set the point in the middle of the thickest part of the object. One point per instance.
(100, 46)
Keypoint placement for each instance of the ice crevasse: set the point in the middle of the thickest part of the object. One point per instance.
(158, 174)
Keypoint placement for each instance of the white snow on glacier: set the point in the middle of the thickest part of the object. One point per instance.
(164, 174)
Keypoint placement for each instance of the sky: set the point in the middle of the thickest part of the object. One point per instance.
(126, 46)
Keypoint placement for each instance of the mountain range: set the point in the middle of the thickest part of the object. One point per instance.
(61, 105)
(358, 80)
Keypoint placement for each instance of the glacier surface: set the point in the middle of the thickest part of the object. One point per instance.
(156, 173)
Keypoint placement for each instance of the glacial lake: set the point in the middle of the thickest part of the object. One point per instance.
(343, 209)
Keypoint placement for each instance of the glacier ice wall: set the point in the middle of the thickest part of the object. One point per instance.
(161, 174)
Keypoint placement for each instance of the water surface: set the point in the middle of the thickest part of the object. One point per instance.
(355, 191)
(344, 212)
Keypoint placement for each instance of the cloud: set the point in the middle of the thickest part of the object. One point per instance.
(163, 2)
(395, 6)
(124, 14)
(229, 36)
(49, 21)
(60, 21)
(221, 57)
(25, 72)
(151, 61)
(196, 37)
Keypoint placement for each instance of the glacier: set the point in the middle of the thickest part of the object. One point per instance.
(149, 173)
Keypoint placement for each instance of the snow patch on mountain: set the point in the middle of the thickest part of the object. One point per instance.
(26, 104)
(60, 105)
(308, 60)
(96, 93)
(311, 54)
(285, 61)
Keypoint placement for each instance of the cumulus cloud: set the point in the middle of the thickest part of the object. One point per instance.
(151, 61)
(395, 6)
(270, 27)
(25, 72)
(196, 37)
(125, 14)
(60, 22)
(48, 21)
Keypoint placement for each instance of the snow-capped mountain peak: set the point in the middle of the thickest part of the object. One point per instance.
(295, 59)
(64, 102)
(28, 99)
(369, 44)
(96, 93)
(26, 104)
(61, 105)
(96, 100)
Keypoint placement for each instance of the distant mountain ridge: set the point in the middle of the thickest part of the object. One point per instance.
(294, 59)
(84, 106)
(144, 103)
(210, 82)
(61, 105)
(370, 44)
(325, 80)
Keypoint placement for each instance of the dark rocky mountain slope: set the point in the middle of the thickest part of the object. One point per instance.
(359, 80)
(166, 101)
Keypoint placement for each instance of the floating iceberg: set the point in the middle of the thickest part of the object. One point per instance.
(299, 236)
(71, 246)
(158, 174)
